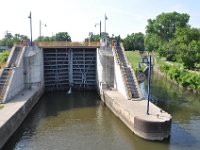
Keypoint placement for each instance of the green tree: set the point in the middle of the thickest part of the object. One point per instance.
(129, 42)
(93, 38)
(10, 40)
(62, 36)
(162, 30)
(135, 41)
(186, 46)
(139, 41)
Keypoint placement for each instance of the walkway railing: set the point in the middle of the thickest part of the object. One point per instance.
(5, 77)
(5, 85)
(127, 74)
(68, 44)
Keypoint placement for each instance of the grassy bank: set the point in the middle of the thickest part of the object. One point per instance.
(3, 58)
(176, 72)
(133, 58)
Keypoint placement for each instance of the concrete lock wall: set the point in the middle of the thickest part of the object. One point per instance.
(119, 82)
(29, 73)
(17, 79)
(105, 68)
(99, 69)
(33, 68)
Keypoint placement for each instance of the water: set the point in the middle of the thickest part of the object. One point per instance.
(80, 121)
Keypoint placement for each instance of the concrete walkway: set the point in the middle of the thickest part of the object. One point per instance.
(15, 111)
(155, 126)
(11, 107)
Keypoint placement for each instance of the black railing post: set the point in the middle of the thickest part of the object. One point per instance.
(149, 84)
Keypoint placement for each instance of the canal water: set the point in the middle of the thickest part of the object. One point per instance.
(80, 121)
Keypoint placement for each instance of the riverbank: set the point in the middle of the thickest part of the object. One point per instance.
(183, 78)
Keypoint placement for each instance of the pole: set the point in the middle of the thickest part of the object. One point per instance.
(30, 17)
(40, 27)
(149, 83)
(105, 23)
(100, 29)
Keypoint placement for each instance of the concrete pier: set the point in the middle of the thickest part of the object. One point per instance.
(155, 126)
(15, 111)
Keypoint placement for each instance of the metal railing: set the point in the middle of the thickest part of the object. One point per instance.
(5, 85)
(68, 44)
(124, 74)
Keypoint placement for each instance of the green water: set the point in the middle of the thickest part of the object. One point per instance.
(80, 121)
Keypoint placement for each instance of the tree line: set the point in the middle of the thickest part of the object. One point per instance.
(9, 39)
(171, 36)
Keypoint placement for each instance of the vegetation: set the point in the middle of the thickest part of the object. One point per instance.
(93, 38)
(135, 41)
(9, 40)
(1, 106)
(176, 44)
(183, 77)
(3, 58)
(133, 58)
(171, 36)
(61, 36)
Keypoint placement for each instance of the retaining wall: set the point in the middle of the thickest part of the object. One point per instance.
(24, 102)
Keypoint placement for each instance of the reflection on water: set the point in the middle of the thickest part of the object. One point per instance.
(184, 107)
(80, 121)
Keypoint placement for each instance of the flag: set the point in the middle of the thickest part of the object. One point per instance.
(106, 18)
(29, 15)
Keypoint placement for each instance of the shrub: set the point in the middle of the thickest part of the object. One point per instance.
(182, 76)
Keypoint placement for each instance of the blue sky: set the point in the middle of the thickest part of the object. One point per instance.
(78, 17)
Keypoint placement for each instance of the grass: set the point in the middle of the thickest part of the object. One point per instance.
(3, 58)
(1, 106)
(133, 58)
(162, 61)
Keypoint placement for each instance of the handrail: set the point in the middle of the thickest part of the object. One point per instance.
(5, 85)
(18, 57)
(124, 75)
(68, 44)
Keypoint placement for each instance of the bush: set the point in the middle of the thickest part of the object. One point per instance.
(182, 76)
(3, 57)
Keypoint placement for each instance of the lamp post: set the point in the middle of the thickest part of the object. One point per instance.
(40, 27)
(100, 27)
(106, 18)
(30, 17)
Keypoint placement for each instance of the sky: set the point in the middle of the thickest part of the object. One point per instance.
(78, 17)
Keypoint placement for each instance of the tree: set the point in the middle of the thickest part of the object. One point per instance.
(135, 41)
(93, 38)
(63, 36)
(185, 47)
(163, 28)
(129, 42)
(139, 41)
(10, 40)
